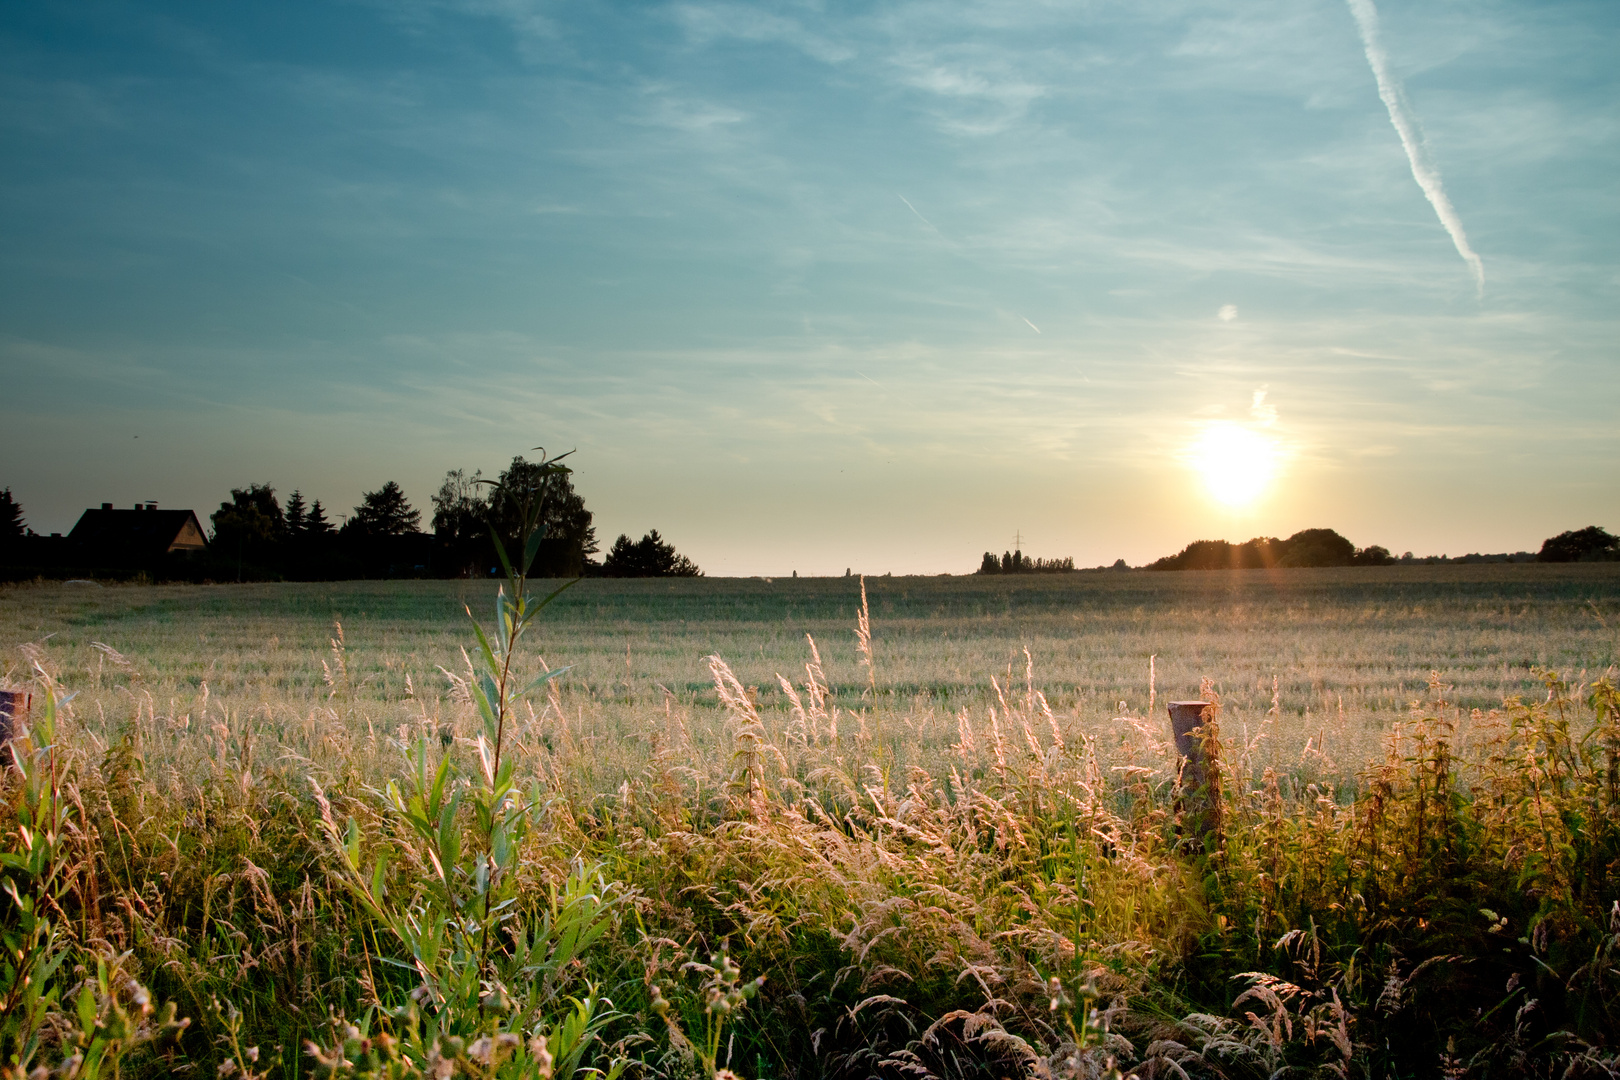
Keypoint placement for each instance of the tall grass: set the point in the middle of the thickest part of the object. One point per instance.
(979, 884)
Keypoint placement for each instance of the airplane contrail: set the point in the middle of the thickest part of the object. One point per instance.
(924, 220)
(1032, 326)
(1423, 170)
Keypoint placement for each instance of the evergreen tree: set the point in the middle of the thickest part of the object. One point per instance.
(11, 517)
(296, 513)
(990, 564)
(384, 512)
(316, 526)
(650, 556)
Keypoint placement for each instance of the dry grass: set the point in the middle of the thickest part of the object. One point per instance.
(1321, 661)
(910, 839)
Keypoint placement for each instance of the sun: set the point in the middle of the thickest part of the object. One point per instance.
(1236, 462)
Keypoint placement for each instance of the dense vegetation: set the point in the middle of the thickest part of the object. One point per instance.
(1309, 547)
(1016, 562)
(1446, 906)
(255, 538)
(1590, 544)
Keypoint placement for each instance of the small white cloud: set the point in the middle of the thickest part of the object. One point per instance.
(1262, 413)
(1227, 313)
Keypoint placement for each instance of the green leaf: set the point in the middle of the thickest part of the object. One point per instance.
(351, 845)
(484, 646)
(491, 693)
(532, 548)
(87, 1010)
(449, 835)
(543, 678)
(379, 877)
(558, 591)
(500, 549)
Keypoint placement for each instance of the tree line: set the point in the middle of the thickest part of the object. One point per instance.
(1325, 547)
(1016, 562)
(255, 536)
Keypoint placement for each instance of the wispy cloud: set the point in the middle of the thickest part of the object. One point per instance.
(920, 217)
(1400, 115)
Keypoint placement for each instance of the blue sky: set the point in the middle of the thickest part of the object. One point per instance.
(821, 285)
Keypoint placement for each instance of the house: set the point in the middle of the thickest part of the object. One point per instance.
(140, 536)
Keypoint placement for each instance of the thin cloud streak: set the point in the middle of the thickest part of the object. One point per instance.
(920, 218)
(1423, 170)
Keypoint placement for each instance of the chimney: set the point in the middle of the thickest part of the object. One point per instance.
(151, 504)
(138, 506)
(106, 506)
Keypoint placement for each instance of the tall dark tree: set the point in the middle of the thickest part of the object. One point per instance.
(296, 513)
(11, 517)
(316, 526)
(990, 564)
(569, 536)
(461, 545)
(650, 556)
(385, 512)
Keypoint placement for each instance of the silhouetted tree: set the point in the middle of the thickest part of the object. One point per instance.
(461, 545)
(316, 526)
(1590, 544)
(382, 539)
(384, 512)
(650, 556)
(250, 525)
(296, 513)
(1373, 555)
(1309, 547)
(569, 536)
(11, 517)
(1317, 547)
(1016, 562)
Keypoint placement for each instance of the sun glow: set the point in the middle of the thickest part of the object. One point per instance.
(1236, 462)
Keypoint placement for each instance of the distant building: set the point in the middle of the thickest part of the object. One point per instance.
(142, 535)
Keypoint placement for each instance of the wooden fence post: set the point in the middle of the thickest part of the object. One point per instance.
(13, 710)
(1198, 788)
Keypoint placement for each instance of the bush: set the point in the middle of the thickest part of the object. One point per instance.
(1590, 544)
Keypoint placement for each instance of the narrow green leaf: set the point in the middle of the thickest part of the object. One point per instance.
(500, 549)
(484, 646)
(543, 678)
(532, 548)
(558, 591)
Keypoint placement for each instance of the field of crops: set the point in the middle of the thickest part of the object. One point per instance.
(909, 840)
(1334, 654)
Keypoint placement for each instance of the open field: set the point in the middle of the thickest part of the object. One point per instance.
(954, 863)
(1349, 650)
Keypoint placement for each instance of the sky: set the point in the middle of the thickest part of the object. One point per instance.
(815, 286)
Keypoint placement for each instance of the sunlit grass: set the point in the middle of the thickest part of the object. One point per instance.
(908, 852)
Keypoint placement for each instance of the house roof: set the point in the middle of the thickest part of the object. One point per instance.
(140, 533)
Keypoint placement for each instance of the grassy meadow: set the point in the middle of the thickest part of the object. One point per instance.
(1330, 657)
(952, 848)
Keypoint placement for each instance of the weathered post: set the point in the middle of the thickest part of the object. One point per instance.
(1198, 788)
(13, 713)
